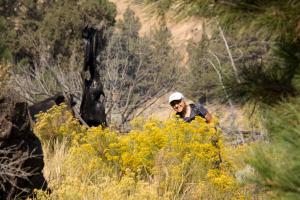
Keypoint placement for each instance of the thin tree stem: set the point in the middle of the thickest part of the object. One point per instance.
(229, 54)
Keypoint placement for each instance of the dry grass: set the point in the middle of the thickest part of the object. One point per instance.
(54, 156)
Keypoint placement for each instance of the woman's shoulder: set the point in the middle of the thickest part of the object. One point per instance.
(199, 109)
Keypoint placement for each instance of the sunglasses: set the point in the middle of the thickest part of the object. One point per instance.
(175, 102)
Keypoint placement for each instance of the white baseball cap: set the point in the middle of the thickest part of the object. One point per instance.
(175, 96)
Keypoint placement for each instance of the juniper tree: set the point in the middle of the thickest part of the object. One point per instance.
(48, 31)
(43, 40)
(136, 69)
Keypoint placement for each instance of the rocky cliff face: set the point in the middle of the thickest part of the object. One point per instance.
(21, 156)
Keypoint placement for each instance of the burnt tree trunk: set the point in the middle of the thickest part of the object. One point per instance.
(21, 155)
(92, 108)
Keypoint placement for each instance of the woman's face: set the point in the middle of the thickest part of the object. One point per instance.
(178, 105)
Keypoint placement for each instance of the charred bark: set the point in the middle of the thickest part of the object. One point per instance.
(21, 155)
(92, 108)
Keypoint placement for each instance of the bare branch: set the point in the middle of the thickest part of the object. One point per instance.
(135, 75)
(11, 166)
(229, 54)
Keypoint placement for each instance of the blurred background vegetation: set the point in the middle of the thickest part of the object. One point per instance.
(251, 59)
(263, 52)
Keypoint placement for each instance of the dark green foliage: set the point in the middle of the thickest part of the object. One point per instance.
(63, 23)
(269, 79)
(269, 75)
(43, 41)
(50, 31)
(259, 16)
(277, 163)
(5, 38)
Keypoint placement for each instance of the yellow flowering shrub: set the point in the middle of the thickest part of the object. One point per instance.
(56, 123)
(155, 160)
(138, 149)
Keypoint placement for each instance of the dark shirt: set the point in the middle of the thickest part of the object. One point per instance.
(196, 110)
